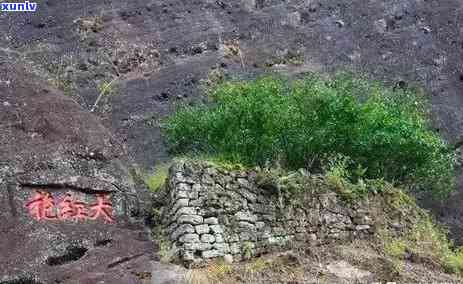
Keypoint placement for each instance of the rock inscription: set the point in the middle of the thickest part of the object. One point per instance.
(43, 206)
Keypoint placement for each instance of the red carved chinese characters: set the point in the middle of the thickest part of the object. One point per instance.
(104, 208)
(66, 208)
(81, 211)
(72, 209)
(42, 207)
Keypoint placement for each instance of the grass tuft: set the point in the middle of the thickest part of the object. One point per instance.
(157, 179)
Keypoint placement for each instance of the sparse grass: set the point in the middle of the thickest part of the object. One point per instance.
(295, 59)
(156, 180)
(226, 165)
(398, 199)
(352, 184)
(278, 267)
(197, 276)
(396, 248)
(289, 58)
(248, 248)
(454, 262)
(430, 241)
(310, 267)
(257, 265)
(231, 48)
(337, 177)
(89, 25)
(425, 242)
(219, 269)
(166, 251)
(214, 272)
(58, 75)
(275, 179)
(214, 77)
(246, 272)
(215, 161)
(63, 84)
(105, 89)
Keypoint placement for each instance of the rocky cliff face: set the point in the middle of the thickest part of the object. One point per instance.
(66, 203)
(211, 212)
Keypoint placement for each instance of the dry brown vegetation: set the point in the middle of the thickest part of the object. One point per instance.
(366, 263)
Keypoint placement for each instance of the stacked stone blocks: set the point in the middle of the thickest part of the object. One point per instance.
(213, 213)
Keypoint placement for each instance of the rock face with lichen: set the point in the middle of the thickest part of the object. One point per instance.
(211, 212)
(51, 147)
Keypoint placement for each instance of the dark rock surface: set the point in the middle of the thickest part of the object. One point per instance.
(49, 144)
(159, 51)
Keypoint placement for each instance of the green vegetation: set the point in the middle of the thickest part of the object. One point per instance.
(339, 178)
(277, 180)
(380, 133)
(156, 180)
(256, 265)
(59, 77)
(336, 177)
(216, 162)
(105, 89)
(248, 250)
(166, 251)
(425, 242)
(454, 262)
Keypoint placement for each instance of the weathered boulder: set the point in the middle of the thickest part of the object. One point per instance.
(68, 211)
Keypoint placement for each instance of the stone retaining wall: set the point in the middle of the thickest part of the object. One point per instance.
(212, 212)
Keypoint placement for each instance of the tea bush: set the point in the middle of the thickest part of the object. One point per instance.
(385, 133)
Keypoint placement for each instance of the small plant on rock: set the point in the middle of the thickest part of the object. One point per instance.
(156, 180)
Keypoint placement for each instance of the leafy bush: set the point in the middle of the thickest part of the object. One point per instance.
(383, 132)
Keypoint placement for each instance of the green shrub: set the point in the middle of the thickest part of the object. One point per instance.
(385, 133)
